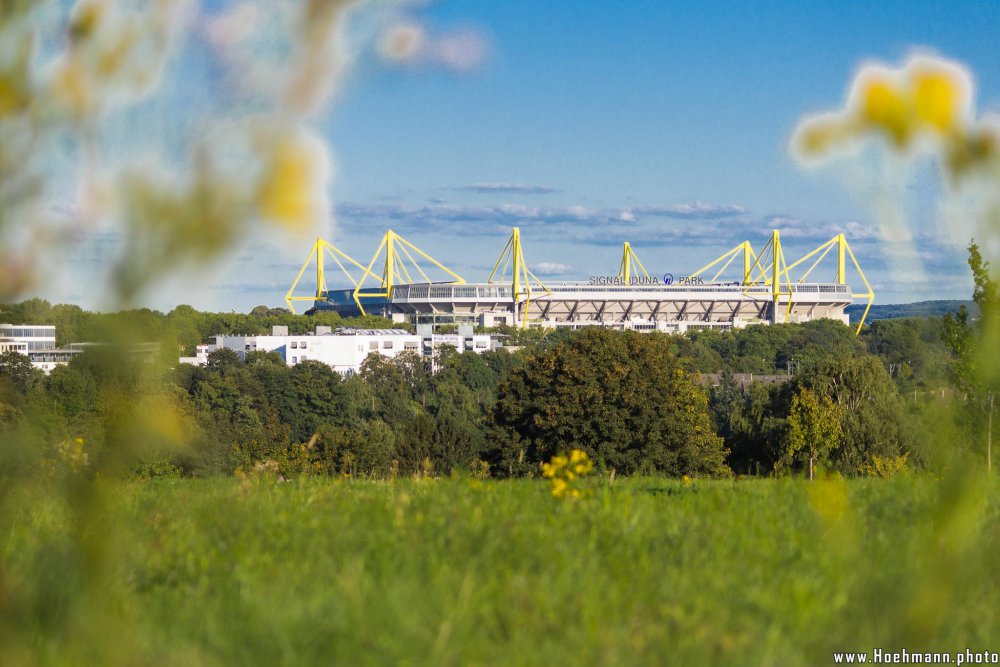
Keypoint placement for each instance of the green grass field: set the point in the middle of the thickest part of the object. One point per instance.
(468, 572)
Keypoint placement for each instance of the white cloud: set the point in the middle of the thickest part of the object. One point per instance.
(502, 214)
(697, 210)
(512, 188)
(551, 268)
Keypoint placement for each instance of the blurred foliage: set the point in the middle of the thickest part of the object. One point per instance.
(244, 164)
(925, 104)
(106, 557)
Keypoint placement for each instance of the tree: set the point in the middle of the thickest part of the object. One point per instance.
(222, 358)
(16, 368)
(812, 343)
(72, 391)
(813, 427)
(751, 421)
(264, 358)
(391, 395)
(619, 396)
(912, 349)
(976, 372)
(871, 416)
(317, 399)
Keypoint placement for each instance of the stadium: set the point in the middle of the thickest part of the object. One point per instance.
(762, 287)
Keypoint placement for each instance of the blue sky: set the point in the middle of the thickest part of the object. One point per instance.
(588, 124)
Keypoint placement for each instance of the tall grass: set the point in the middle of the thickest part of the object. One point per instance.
(463, 572)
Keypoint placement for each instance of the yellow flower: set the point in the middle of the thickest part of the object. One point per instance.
(817, 135)
(936, 99)
(13, 98)
(286, 193)
(884, 106)
(562, 471)
(829, 499)
(85, 19)
(71, 88)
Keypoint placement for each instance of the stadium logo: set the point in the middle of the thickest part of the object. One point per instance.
(619, 280)
(639, 281)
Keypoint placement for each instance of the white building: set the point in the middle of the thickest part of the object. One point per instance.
(344, 351)
(462, 341)
(35, 341)
(33, 336)
(13, 345)
(47, 360)
(200, 357)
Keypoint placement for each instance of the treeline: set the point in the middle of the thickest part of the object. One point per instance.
(887, 311)
(634, 402)
(179, 330)
(911, 349)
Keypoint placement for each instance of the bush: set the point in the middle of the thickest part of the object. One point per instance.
(621, 397)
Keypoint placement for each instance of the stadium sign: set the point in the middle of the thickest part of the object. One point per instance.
(634, 281)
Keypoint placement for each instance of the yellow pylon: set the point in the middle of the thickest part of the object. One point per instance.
(749, 258)
(398, 263)
(320, 249)
(630, 262)
(522, 277)
(843, 251)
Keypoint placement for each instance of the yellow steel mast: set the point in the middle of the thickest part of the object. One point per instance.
(398, 262)
(630, 262)
(319, 250)
(843, 252)
(749, 258)
(512, 255)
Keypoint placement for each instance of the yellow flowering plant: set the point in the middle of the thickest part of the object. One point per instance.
(564, 472)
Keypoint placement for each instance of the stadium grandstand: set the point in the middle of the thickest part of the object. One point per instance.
(761, 288)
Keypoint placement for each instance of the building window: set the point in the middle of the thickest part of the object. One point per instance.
(303, 345)
(303, 358)
(387, 345)
(295, 360)
(294, 345)
(373, 345)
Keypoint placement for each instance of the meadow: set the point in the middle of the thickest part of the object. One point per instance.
(464, 571)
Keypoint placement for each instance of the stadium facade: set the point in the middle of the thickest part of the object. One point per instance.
(765, 289)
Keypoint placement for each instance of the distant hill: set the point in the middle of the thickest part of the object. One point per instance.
(890, 311)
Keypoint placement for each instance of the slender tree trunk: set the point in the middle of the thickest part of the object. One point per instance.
(810, 467)
(989, 438)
